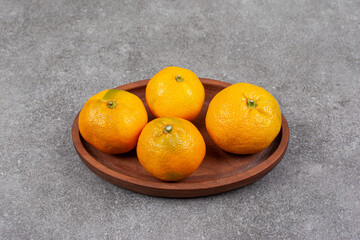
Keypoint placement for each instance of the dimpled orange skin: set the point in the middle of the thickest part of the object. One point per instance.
(174, 155)
(168, 97)
(235, 127)
(112, 121)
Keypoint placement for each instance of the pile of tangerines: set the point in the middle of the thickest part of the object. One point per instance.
(241, 119)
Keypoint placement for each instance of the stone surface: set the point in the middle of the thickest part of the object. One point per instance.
(54, 55)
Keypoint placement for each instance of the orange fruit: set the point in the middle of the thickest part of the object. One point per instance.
(112, 120)
(243, 119)
(175, 92)
(170, 148)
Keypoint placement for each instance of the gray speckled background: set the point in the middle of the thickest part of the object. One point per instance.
(54, 55)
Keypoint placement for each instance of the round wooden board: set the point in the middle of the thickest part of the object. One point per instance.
(219, 172)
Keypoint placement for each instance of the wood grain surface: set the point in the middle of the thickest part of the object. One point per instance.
(219, 172)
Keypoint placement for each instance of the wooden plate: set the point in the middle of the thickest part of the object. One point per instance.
(219, 172)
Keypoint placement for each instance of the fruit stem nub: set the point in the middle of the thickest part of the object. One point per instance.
(112, 104)
(251, 104)
(179, 78)
(168, 128)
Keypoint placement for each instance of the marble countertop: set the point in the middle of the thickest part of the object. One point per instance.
(54, 55)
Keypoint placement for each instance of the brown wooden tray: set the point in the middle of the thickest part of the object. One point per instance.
(219, 172)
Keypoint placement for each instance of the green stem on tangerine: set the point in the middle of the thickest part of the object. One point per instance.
(179, 78)
(168, 129)
(112, 104)
(251, 104)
